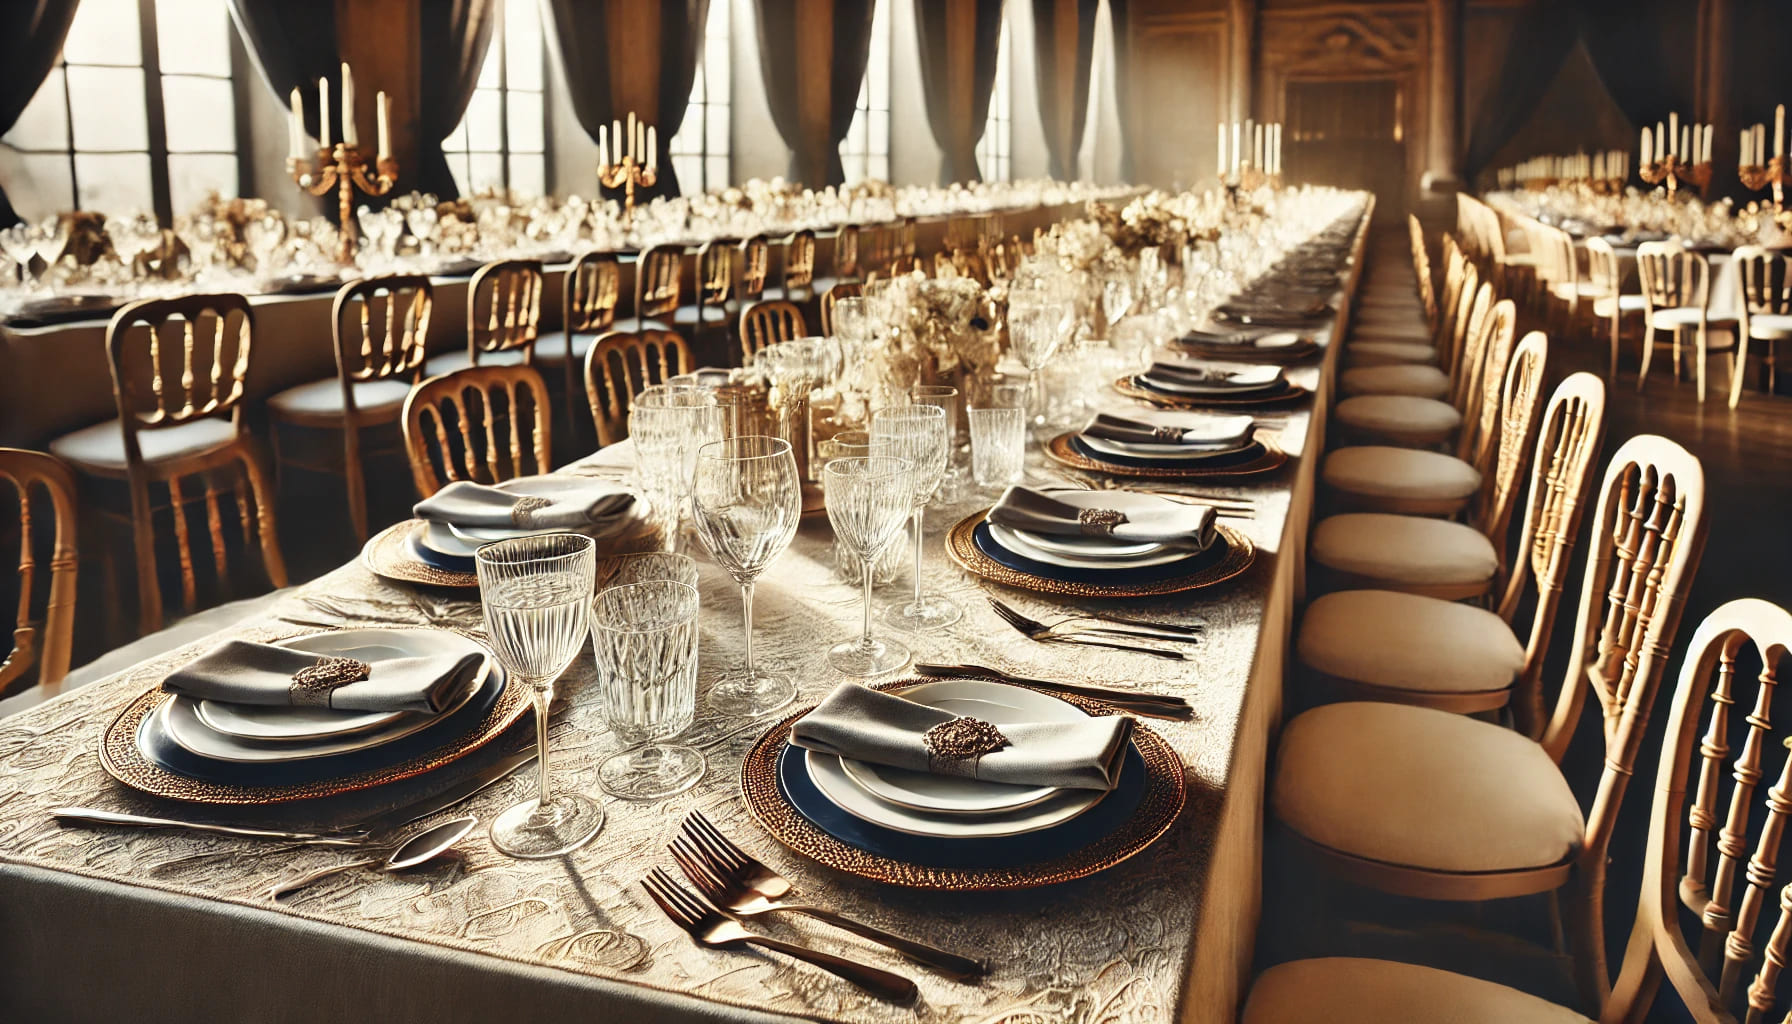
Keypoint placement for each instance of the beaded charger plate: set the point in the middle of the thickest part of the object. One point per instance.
(1164, 792)
(389, 555)
(1130, 387)
(1260, 456)
(961, 545)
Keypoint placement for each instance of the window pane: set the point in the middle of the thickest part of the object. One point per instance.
(201, 114)
(44, 123)
(717, 126)
(715, 65)
(528, 173)
(116, 183)
(104, 32)
(193, 36)
(491, 72)
(487, 171)
(457, 139)
(484, 129)
(718, 172)
(37, 185)
(192, 178)
(690, 173)
(522, 44)
(525, 122)
(108, 108)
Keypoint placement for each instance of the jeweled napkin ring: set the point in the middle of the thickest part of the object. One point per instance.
(313, 684)
(1167, 433)
(955, 747)
(522, 514)
(1100, 522)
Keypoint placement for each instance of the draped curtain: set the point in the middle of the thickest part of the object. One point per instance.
(453, 36)
(959, 42)
(1064, 46)
(294, 45)
(1120, 16)
(631, 56)
(31, 34)
(812, 54)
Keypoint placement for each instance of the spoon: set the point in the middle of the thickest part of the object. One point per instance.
(419, 847)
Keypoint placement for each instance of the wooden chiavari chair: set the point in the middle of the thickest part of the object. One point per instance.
(768, 322)
(42, 481)
(1414, 422)
(179, 394)
(592, 290)
(846, 254)
(755, 268)
(716, 263)
(1677, 290)
(799, 269)
(1605, 278)
(843, 290)
(1766, 316)
(659, 284)
(1427, 804)
(620, 365)
(380, 326)
(877, 252)
(503, 318)
(1421, 269)
(487, 424)
(1381, 346)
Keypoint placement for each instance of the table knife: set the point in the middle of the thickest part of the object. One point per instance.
(487, 777)
(1150, 705)
(96, 816)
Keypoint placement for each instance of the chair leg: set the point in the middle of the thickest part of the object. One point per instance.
(355, 478)
(1736, 375)
(1617, 328)
(1642, 373)
(1677, 368)
(1586, 936)
(1700, 341)
(143, 539)
(266, 532)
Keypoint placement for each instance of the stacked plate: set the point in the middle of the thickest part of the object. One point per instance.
(1240, 446)
(1094, 559)
(450, 548)
(1196, 381)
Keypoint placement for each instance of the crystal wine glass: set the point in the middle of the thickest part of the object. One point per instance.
(644, 639)
(536, 593)
(918, 433)
(867, 499)
(668, 425)
(746, 501)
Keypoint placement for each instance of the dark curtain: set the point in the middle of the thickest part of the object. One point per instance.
(631, 56)
(959, 42)
(812, 55)
(1120, 15)
(1542, 39)
(294, 45)
(1063, 45)
(453, 36)
(31, 34)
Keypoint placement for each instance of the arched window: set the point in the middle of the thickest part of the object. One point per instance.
(502, 140)
(866, 150)
(700, 149)
(996, 145)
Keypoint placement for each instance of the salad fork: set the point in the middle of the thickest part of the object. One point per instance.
(1033, 630)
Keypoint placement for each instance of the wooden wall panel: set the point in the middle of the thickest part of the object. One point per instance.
(1181, 85)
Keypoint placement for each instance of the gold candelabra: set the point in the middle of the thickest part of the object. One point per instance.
(1775, 174)
(343, 168)
(628, 161)
(1673, 169)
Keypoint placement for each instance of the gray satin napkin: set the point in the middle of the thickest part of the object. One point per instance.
(240, 672)
(881, 728)
(1187, 527)
(480, 506)
(1214, 378)
(1219, 433)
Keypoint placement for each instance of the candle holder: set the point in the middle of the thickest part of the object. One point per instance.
(628, 174)
(343, 168)
(1774, 174)
(1672, 170)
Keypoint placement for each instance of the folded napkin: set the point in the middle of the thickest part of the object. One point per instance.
(882, 728)
(240, 672)
(580, 504)
(1173, 524)
(1220, 433)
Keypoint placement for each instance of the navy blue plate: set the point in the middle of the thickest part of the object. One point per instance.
(438, 559)
(1221, 460)
(1107, 577)
(1108, 814)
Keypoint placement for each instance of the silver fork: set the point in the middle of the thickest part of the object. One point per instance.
(739, 884)
(1116, 625)
(1035, 631)
(710, 927)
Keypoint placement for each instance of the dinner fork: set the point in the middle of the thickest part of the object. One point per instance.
(733, 880)
(1117, 625)
(710, 927)
(1034, 631)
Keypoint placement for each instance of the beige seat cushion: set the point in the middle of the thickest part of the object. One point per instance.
(102, 445)
(1396, 379)
(448, 362)
(1405, 417)
(1384, 471)
(1408, 642)
(1404, 550)
(1770, 326)
(1367, 351)
(1358, 990)
(325, 396)
(1623, 303)
(1683, 316)
(1424, 788)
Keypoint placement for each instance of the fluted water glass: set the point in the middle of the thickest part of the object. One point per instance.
(644, 639)
(918, 435)
(868, 497)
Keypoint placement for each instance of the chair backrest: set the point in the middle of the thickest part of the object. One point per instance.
(487, 424)
(841, 290)
(1730, 880)
(593, 288)
(799, 261)
(767, 323)
(658, 280)
(715, 271)
(1461, 287)
(1421, 269)
(622, 363)
(755, 265)
(1603, 270)
(1766, 280)
(905, 238)
(504, 308)
(1468, 337)
(846, 252)
(42, 639)
(878, 248)
(161, 381)
(1508, 417)
(381, 327)
(1672, 278)
(1480, 403)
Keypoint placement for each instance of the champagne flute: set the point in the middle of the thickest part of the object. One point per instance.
(536, 595)
(918, 433)
(867, 499)
(746, 501)
(950, 401)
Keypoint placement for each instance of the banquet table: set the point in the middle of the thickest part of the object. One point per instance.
(167, 926)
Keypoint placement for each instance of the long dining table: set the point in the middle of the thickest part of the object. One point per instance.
(167, 925)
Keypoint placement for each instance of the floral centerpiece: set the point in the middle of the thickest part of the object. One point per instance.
(934, 328)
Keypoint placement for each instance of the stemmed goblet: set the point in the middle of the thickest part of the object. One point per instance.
(644, 638)
(746, 500)
(536, 593)
(918, 435)
(867, 499)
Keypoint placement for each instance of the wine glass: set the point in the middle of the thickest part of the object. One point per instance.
(536, 593)
(746, 501)
(668, 425)
(1118, 290)
(867, 499)
(918, 433)
(644, 640)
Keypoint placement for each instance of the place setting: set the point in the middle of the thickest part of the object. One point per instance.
(1167, 443)
(1219, 343)
(1194, 384)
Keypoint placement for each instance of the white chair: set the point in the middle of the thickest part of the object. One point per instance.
(1677, 292)
(1766, 281)
(1606, 281)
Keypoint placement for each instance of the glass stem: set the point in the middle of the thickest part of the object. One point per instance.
(865, 627)
(746, 611)
(918, 513)
(544, 695)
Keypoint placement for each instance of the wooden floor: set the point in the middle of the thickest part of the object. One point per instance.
(1747, 457)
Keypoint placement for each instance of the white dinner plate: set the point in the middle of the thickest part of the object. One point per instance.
(441, 537)
(1017, 542)
(541, 487)
(1158, 452)
(1224, 381)
(1095, 551)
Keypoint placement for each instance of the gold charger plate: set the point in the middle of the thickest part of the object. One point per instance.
(1240, 554)
(1304, 349)
(1060, 450)
(388, 553)
(1165, 792)
(123, 761)
(1126, 386)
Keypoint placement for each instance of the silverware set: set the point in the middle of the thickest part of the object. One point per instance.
(732, 885)
(1109, 634)
(1133, 702)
